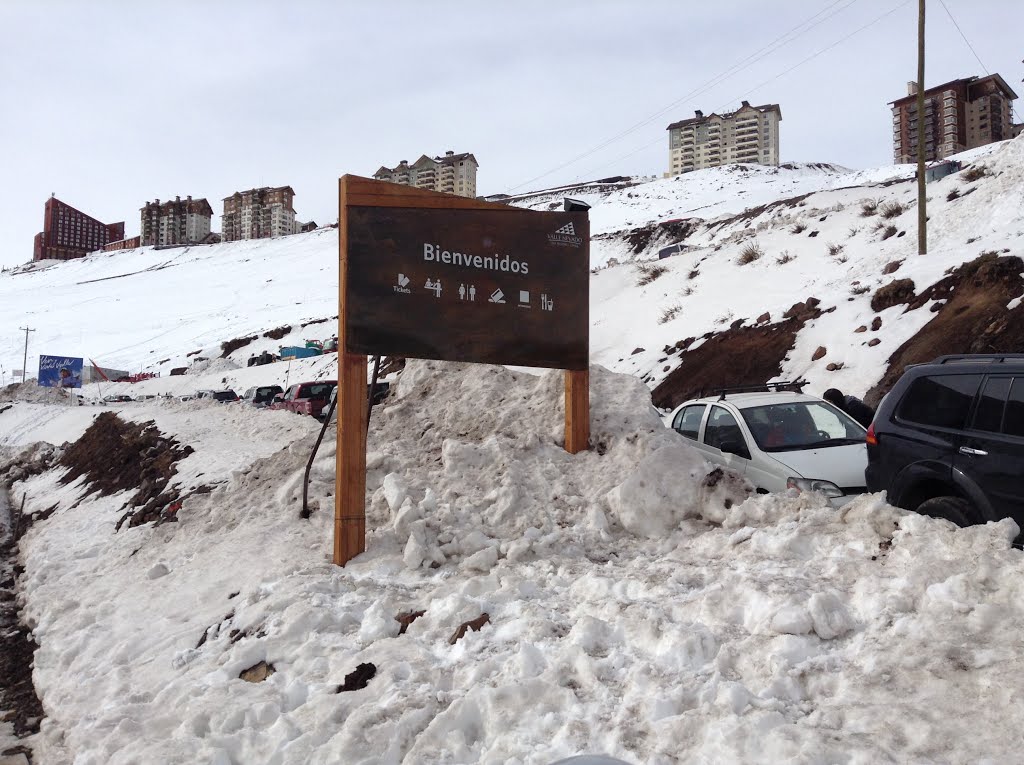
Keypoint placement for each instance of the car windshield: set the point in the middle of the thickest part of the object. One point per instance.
(801, 425)
(225, 395)
(265, 394)
(321, 390)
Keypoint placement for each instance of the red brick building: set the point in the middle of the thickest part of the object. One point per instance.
(69, 233)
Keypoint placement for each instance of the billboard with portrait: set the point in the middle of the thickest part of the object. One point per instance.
(60, 372)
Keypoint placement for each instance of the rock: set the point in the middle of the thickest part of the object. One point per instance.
(472, 624)
(766, 316)
(834, 366)
(358, 679)
(406, 618)
(636, 351)
(820, 353)
(876, 324)
(873, 342)
(257, 673)
(893, 267)
(158, 571)
(812, 302)
(860, 329)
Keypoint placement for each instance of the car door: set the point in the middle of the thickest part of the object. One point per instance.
(991, 453)
(688, 419)
(721, 429)
(927, 431)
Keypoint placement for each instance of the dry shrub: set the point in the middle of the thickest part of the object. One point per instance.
(953, 194)
(891, 210)
(834, 249)
(785, 257)
(888, 231)
(750, 253)
(648, 272)
(669, 313)
(974, 172)
(868, 208)
(799, 228)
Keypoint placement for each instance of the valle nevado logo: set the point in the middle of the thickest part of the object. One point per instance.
(565, 236)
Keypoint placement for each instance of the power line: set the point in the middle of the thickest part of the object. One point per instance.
(1013, 110)
(716, 80)
(777, 76)
(830, 47)
(958, 29)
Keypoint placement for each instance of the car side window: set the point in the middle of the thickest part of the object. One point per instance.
(1013, 421)
(941, 401)
(722, 428)
(687, 421)
(989, 414)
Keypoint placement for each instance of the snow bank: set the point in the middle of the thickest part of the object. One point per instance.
(746, 629)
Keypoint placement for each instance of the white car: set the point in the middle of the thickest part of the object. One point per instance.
(779, 440)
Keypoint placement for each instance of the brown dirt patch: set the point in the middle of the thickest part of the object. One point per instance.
(974, 320)
(894, 293)
(17, 650)
(278, 332)
(114, 455)
(230, 346)
(737, 357)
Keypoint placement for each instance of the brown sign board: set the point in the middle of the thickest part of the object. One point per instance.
(436, 276)
(494, 286)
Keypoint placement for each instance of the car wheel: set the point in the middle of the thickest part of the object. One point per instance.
(954, 509)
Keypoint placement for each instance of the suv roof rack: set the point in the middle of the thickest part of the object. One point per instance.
(982, 358)
(795, 386)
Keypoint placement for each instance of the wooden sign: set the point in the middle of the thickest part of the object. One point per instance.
(429, 275)
(505, 286)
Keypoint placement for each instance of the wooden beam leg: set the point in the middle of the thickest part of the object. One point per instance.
(577, 410)
(350, 488)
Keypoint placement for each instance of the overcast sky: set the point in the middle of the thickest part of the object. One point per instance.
(111, 103)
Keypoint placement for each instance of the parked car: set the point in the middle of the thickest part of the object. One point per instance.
(779, 440)
(224, 396)
(948, 439)
(306, 398)
(117, 399)
(261, 396)
(380, 392)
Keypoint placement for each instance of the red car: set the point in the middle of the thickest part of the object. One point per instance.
(306, 398)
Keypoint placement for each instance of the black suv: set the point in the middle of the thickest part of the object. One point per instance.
(948, 439)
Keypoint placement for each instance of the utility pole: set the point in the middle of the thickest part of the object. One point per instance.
(24, 361)
(922, 199)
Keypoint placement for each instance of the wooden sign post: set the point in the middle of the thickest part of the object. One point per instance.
(436, 276)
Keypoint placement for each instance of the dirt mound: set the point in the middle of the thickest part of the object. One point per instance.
(737, 357)
(115, 455)
(974, 318)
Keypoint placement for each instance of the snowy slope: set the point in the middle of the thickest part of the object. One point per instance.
(634, 608)
(148, 310)
(155, 310)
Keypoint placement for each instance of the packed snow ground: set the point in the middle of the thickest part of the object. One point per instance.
(636, 606)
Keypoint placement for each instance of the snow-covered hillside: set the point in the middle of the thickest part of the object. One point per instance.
(804, 228)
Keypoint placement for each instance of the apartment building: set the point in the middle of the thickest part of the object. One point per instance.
(183, 221)
(452, 174)
(958, 115)
(259, 213)
(749, 134)
(69, 233)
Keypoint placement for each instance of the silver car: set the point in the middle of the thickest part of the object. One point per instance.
(778, 441)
